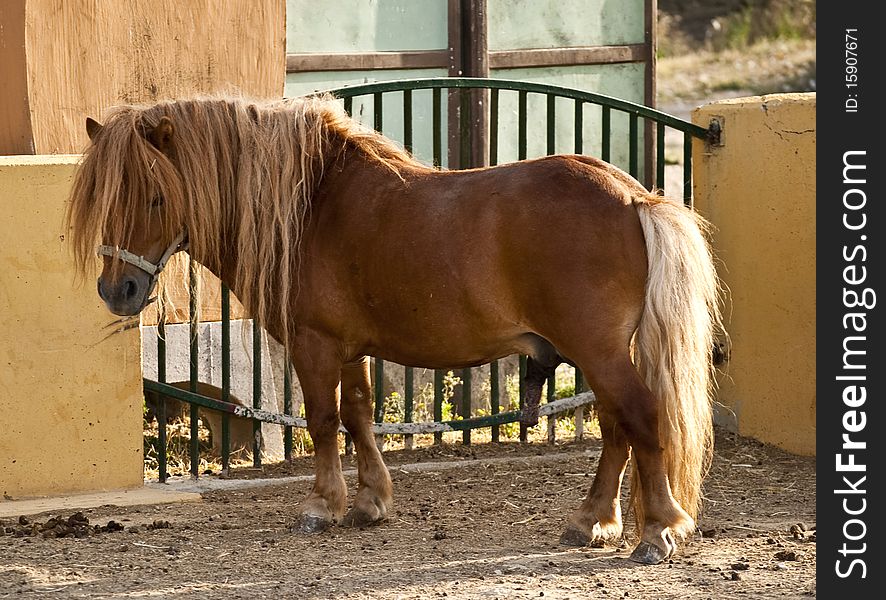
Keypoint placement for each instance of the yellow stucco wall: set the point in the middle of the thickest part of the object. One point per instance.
(70, 403)
(758, 189)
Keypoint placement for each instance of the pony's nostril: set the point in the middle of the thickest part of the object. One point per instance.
(98, 284)
(129, 288)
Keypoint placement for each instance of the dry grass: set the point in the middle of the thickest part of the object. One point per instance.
(762, 68)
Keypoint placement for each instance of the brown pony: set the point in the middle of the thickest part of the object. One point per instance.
(343, 246)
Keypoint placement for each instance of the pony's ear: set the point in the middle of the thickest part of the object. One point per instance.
(93, 128)
(161, 135)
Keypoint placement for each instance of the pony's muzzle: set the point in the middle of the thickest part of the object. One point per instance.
(127, 295)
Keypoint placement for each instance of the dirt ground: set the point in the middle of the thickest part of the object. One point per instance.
(477, 522)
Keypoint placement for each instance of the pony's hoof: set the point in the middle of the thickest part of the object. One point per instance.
(360, 518)
(648, 554)
(574, 537)
(312, 524)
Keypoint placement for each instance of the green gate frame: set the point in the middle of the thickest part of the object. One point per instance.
(463, 87)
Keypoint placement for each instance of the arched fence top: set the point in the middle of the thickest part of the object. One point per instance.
(400, 85)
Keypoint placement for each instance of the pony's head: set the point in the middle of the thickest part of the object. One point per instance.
(235, 176)
(127, 195)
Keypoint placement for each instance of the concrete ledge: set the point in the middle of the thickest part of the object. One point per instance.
(185, 489)
(145, 495)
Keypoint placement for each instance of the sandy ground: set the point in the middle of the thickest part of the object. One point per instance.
(486, 527)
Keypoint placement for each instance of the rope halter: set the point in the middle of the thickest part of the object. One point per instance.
(152, 269)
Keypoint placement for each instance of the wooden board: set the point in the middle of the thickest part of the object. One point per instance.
(81, 58)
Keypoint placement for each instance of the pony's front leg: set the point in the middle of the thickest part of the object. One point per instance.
(599, 516)
(374, 492)
(318, 369)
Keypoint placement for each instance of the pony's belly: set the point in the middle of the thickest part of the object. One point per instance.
(434, 352)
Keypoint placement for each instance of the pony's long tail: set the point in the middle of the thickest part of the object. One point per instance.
(674, 342)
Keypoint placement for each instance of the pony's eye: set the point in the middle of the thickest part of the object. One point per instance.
(157, 202)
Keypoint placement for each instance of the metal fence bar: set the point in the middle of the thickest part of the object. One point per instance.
(578, 127)
(494, 396)
(466, 403)
(551, 123)
(287, 407)
(193, 364)
(256, 393)
(408, 400)
(521, 125)
(377, 111)
(493, 160)
(379, 390)
(552, 419)
(521, 155)
(161, 377)
(464, 129)
(660, 157)
(633, 146)
(438, 402)
(524, 431)
(687, 170)
(437, 123)
(407, 120)
(226, 375)
(493, 128)
(606, 129)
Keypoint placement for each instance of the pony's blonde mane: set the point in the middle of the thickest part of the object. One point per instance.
(240, 176)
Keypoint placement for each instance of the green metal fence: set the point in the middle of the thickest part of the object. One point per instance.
(468, 112)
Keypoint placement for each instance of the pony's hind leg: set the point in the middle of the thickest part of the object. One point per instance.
(623, 394)
(374, 492)
(599, 516)
(319, 372)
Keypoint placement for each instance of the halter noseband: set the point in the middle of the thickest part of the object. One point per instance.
(152, 269)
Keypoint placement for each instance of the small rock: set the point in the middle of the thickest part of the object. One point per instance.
(78, 518)
(112, 526)
(787, 555)
(740, 566)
